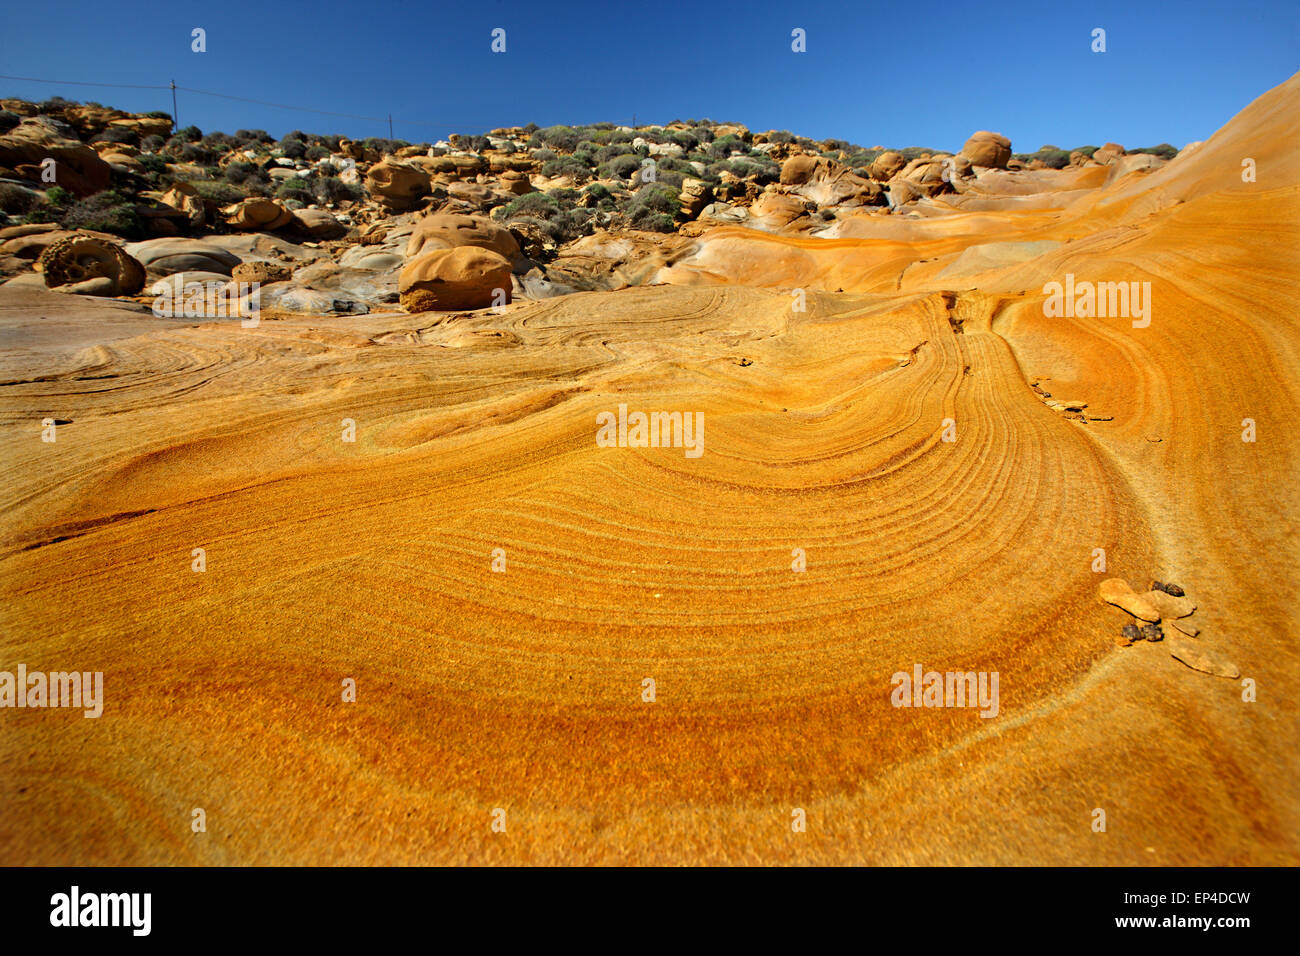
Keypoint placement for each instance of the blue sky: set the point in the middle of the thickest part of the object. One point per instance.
(893, 74)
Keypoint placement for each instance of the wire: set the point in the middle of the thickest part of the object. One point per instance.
(120, 86)
(244, 99)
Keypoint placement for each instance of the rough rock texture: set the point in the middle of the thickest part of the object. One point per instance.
(1116, 591)
(397, 185)
(988, 149)
(448, 231)
(885, 166)
(466, 277)
(77, 167)
(88, 266)
(162, 257)
(257, 214)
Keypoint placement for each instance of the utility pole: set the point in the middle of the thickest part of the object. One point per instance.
(176, 121)
(390, 125)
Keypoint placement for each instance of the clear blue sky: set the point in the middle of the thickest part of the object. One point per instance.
(892, 74)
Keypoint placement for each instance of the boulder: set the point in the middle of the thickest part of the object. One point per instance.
(258, 214)
(466, 277)
(399, 186)
(516, 183)
(798, 170)
(77, 168)
(84, 265)
(318, 224)
(886, 165)
(988, 149)
(261, 272)
(164, 257)
(450, 231)
(694, 196)
(1109, 153)
(185, 198)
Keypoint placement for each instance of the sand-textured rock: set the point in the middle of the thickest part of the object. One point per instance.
(881, 486)
(987, 149)
(84, 265)
(465, 277)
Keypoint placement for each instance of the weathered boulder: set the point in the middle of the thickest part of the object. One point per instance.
(84, 265)
(516, 183)
(258, 214)
(694, 196)
(449, 231)
(318, 224)
(399, 186)
(988, 149)
(466, 277)
(798, 170)
(77, 167)
(1109, 153)
(185, 198)
(262, 272)
(163, 257)
(884, 167)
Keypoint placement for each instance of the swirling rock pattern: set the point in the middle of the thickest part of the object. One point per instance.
(887, 433)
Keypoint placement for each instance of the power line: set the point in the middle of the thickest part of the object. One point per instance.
(243, 99)
(120, 86)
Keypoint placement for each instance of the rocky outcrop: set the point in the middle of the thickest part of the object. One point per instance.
(988, 149)
(450, 231)
(398, 186)
(466, 277)
(84, 265)
(77, 167)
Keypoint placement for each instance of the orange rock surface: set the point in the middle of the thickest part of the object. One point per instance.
(523, 689)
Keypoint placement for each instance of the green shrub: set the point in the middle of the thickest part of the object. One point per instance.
(190, 134)
(567, 166)
(332, 189)
(153, 164)
(239, 172)
(158, 114)
(1086, 150)
(296, 188)
(293, 148)
(1164, 151)
(152, 143)
(540, 205)
(17, 200)
(107, 211)
(315, 153)
(8, 120)
(223, 193)
(620, 167)
(654, 208)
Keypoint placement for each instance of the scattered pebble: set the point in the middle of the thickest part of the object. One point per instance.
(1128, 635)
(1173, 589)
(1152, 633)
(1116, 591)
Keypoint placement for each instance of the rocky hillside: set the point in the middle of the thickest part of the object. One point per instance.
(331, 225)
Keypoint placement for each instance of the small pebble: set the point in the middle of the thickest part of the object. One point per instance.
(1173, 589)
(1128, 635)
(1152, 633)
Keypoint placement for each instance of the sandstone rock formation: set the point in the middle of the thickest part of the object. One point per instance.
(466, 277)
(988, 149)
(83, 265)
